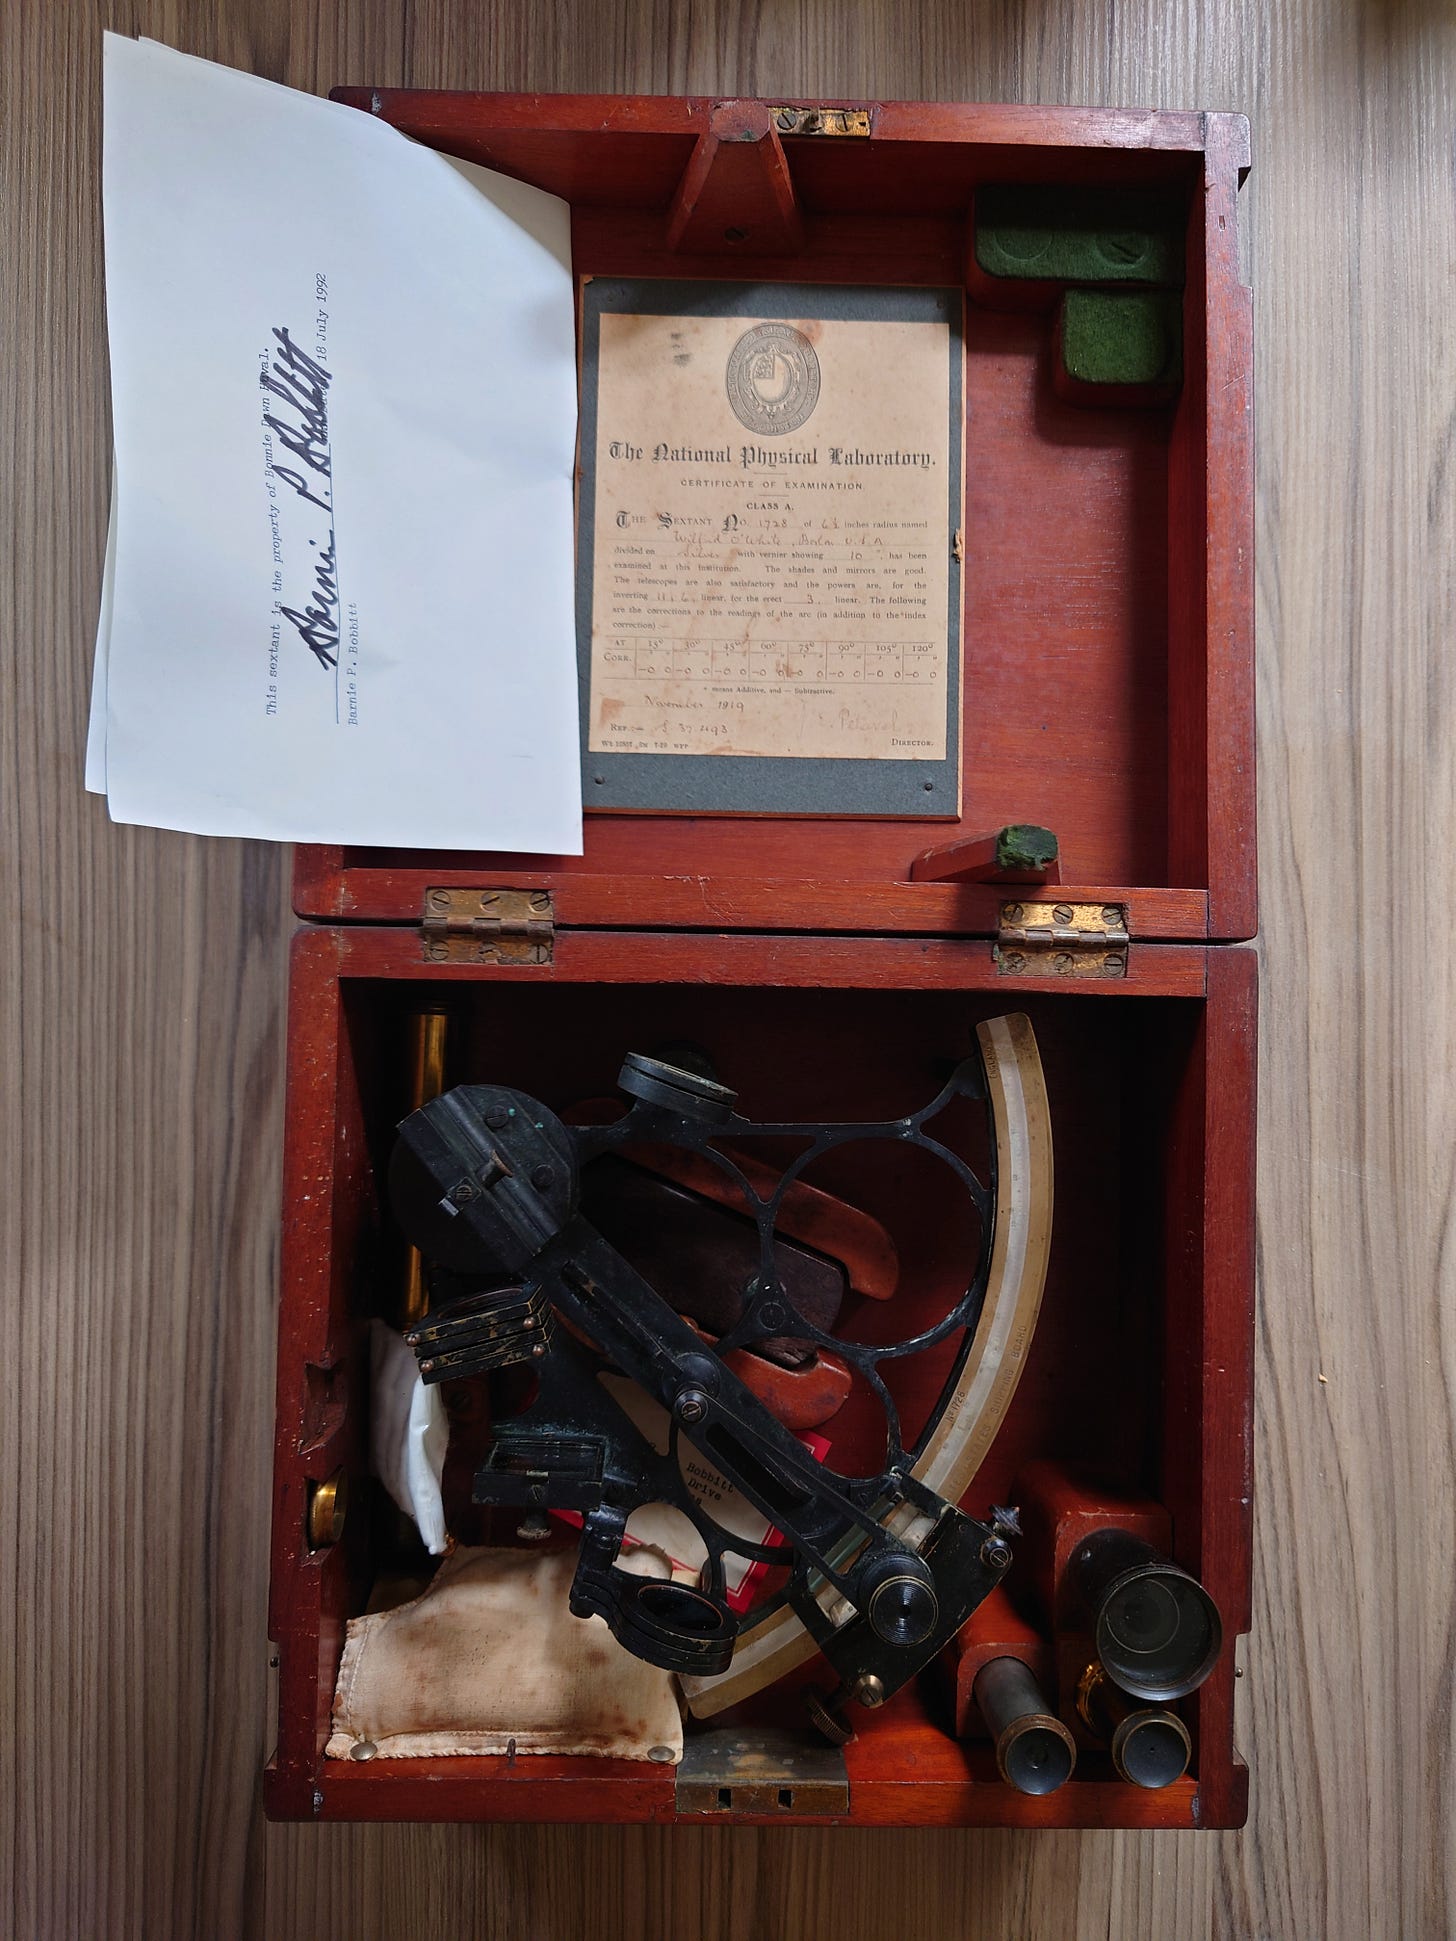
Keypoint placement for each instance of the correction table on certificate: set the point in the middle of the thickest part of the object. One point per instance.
(787, 634)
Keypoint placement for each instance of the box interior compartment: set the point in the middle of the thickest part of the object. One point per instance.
(1104, 1391)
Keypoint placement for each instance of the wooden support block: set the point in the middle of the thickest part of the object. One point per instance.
(1058, 1510)
(736, 192)
(1023, 852)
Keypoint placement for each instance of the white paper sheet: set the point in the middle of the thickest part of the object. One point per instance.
(339, 596)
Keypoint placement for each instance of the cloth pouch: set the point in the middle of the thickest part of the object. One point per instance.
(491, 1655)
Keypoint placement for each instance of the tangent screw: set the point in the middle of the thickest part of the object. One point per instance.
(836, 1729)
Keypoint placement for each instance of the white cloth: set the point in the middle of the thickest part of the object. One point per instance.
(408, 1434)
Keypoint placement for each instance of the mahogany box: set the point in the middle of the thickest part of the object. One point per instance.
(1108, 697)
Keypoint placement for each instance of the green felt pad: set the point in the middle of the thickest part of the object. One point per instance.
(1062, 235)
(1025, 845)
(1122, 337)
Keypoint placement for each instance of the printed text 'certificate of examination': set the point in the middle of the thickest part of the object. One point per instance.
(768, 573)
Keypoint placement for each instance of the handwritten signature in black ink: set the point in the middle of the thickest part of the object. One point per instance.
(300, 422)
(318, 623)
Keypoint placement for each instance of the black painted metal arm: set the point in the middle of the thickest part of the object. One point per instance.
(485, 1182)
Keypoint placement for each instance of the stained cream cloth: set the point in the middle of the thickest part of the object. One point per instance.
(491, 1654)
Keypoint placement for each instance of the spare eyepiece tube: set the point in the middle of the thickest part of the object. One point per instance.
(1150, 1746)
(1157, 1630)
(1035, 1752)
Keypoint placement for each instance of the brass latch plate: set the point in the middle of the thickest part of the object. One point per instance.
(761, 1770)
(1062, 940)
(488, 926)
(820, 121)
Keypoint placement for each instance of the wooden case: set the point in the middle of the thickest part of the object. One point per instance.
(1107, 695)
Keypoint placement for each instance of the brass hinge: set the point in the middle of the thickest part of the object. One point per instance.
(488, 926)
(820, 121)
(1062, 940)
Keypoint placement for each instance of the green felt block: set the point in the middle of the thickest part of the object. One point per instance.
(1024, 845)
(1122, 336)
(1062, 235)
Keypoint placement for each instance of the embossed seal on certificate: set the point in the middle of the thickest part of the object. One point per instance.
(773, 379)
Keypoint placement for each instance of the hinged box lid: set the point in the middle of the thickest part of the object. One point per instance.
(1107, 662)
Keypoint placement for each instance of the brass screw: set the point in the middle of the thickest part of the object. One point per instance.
(439, 899)
(1111, 913)
(1062, 961)
(1013, 913)
(1013, 960)
(691, 1405)
(1064, 913)
(1114, 965)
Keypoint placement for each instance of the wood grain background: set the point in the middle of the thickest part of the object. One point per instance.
(142, 1053)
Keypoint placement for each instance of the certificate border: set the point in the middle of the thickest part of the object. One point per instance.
(768, 784)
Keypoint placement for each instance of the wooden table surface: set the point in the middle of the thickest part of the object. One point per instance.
(143, 1053)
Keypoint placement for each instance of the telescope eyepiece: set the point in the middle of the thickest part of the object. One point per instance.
(1157, 1631)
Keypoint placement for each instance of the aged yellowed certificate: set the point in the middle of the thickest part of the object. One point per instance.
(774, 507)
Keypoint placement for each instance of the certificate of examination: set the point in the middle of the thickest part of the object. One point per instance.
(768, 548)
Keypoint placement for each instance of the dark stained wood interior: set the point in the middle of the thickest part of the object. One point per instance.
(1097, 553)
(803, 1032)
